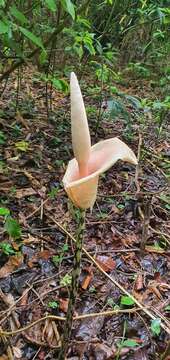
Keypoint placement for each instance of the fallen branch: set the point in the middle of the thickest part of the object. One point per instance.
(60, 318)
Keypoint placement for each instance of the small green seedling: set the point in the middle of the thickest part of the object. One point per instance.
(155, 326)
(53, 304)
(53, 192)
(57, 259)
(126, 300)
(66, 280)
(11, 226)
(7, 249)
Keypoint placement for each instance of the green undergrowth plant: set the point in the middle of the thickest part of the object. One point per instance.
(57, 259)
(10, 225)
(160, 110)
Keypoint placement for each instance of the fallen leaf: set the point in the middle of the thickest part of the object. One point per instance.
(11, 265)
(101, 351)
(163, 146)
(141, 354)
(63, 304)
(87, 279)
(106, 262)
(139, 282)
(42, 334)
(20, 193)
(31, 239)
(45, 255)
(130, 239)
(17, 352)
(115, 210)
(20, 119)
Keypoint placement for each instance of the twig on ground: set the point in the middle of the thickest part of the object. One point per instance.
(75, 318)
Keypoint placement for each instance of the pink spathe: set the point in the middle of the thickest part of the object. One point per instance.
(82, 174)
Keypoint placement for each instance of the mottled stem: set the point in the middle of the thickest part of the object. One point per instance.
(80, 216)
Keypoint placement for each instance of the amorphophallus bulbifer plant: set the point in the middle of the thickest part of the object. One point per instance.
(81, 182)
(82, 174)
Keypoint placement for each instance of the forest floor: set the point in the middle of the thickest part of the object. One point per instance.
(127, 233)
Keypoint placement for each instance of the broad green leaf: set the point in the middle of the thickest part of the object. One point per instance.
(60, 84)
(2, 3)
(22, 145)
(69, 7)
(51, 4)
(129, 343)
(3, 27)
(43, 57)
(35, 39)
(126, 300)
(167, 308)
(4, 211)
(15, 46)
(133, 100)
(83, 21)
(155, 326)
(18, 15)
(89, 47)
(12, 227)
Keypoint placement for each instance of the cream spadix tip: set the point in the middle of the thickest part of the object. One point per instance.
(79, 126)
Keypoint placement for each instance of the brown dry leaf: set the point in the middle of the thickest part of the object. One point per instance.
(45, 255)
(63, 305)
(139, 282)
(86, 281)
(11, 265)
(101, 351)
(106, 262)
(33, 180)
(163, 146)
(20, 193)
(115, 210)
(31, 239)
(50, 333)
(24, 298)
(141, 354)
(38, 333)
(20, 119)
(4, 357)
(17, 352)
(130, 240)
(6, 186)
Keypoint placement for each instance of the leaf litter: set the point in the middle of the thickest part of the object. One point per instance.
(30, 280)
